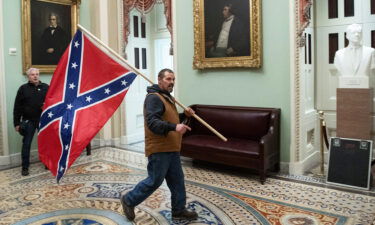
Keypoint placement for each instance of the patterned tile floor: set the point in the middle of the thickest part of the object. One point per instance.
(310, 177)
(89, 194)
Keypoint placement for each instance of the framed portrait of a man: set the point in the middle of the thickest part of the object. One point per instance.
(227, 33)
(47, 28)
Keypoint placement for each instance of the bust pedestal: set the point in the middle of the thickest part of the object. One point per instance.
(354, 113)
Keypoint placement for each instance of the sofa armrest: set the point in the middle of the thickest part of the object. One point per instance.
(270, 143)
(267, 142)
(188, 121)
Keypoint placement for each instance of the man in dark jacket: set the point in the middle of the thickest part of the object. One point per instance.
(27, 108)
(53, 42)
(232, 39)
(163, 133)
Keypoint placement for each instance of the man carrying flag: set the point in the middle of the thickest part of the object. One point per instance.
(163, 134)
(87, 87)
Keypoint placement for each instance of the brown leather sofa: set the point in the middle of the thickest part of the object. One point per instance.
(253, 137)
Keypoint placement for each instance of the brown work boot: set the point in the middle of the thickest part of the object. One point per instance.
(185, 215)
(128, 210)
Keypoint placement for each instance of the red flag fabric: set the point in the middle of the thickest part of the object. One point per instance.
(87, 87)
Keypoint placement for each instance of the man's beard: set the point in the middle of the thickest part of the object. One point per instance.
(170, 88)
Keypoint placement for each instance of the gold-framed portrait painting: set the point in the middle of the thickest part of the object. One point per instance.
(227, 33)
(47, 28)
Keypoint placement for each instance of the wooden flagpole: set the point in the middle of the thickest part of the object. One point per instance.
(136, 71)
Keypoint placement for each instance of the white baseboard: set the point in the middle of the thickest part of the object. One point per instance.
(133, 138)
(299, 168)
(116, 141)
(15, 159)
(105, 142)
(284, 167)
(95, 142)
(102, 142)
(4, 160)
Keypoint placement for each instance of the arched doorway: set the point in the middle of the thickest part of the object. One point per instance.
(147, 35)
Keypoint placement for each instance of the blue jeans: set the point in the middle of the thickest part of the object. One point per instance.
(26, 143)
(162, 165)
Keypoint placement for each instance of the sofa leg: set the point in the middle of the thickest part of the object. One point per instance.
(262, 177)
(276, 167)
(88, 149)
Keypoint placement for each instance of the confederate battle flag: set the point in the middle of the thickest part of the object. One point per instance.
(87, 87)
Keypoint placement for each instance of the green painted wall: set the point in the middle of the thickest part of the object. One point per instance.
(14, 77)
(265, 87)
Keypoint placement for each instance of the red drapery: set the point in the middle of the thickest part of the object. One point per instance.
(141, 5)
(168, 16)
(145, 6)
(304, 19)
(304, 13)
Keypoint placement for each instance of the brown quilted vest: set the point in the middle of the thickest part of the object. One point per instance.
(160, 143)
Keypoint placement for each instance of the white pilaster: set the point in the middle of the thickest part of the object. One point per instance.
(3, 116)
(174, 39)
(294, 131)
(100, 29)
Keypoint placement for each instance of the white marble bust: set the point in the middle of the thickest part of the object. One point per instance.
(356, 62)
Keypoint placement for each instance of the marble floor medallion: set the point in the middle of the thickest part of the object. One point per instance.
(89, 194)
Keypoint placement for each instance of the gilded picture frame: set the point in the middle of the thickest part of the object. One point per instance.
(242, 44)
(47, 28)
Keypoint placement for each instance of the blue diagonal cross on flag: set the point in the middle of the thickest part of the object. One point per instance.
(87, 87)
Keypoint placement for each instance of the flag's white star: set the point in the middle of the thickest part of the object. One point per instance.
(124, 82)
(66, 126)
(72, 86)
(74, 65)
(69, 106)
(50, 114)
(107, 91)
(76, 44)
(88, 99)
(61, 169)
(66, 147)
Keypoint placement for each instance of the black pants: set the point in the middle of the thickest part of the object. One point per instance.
(26, 143)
